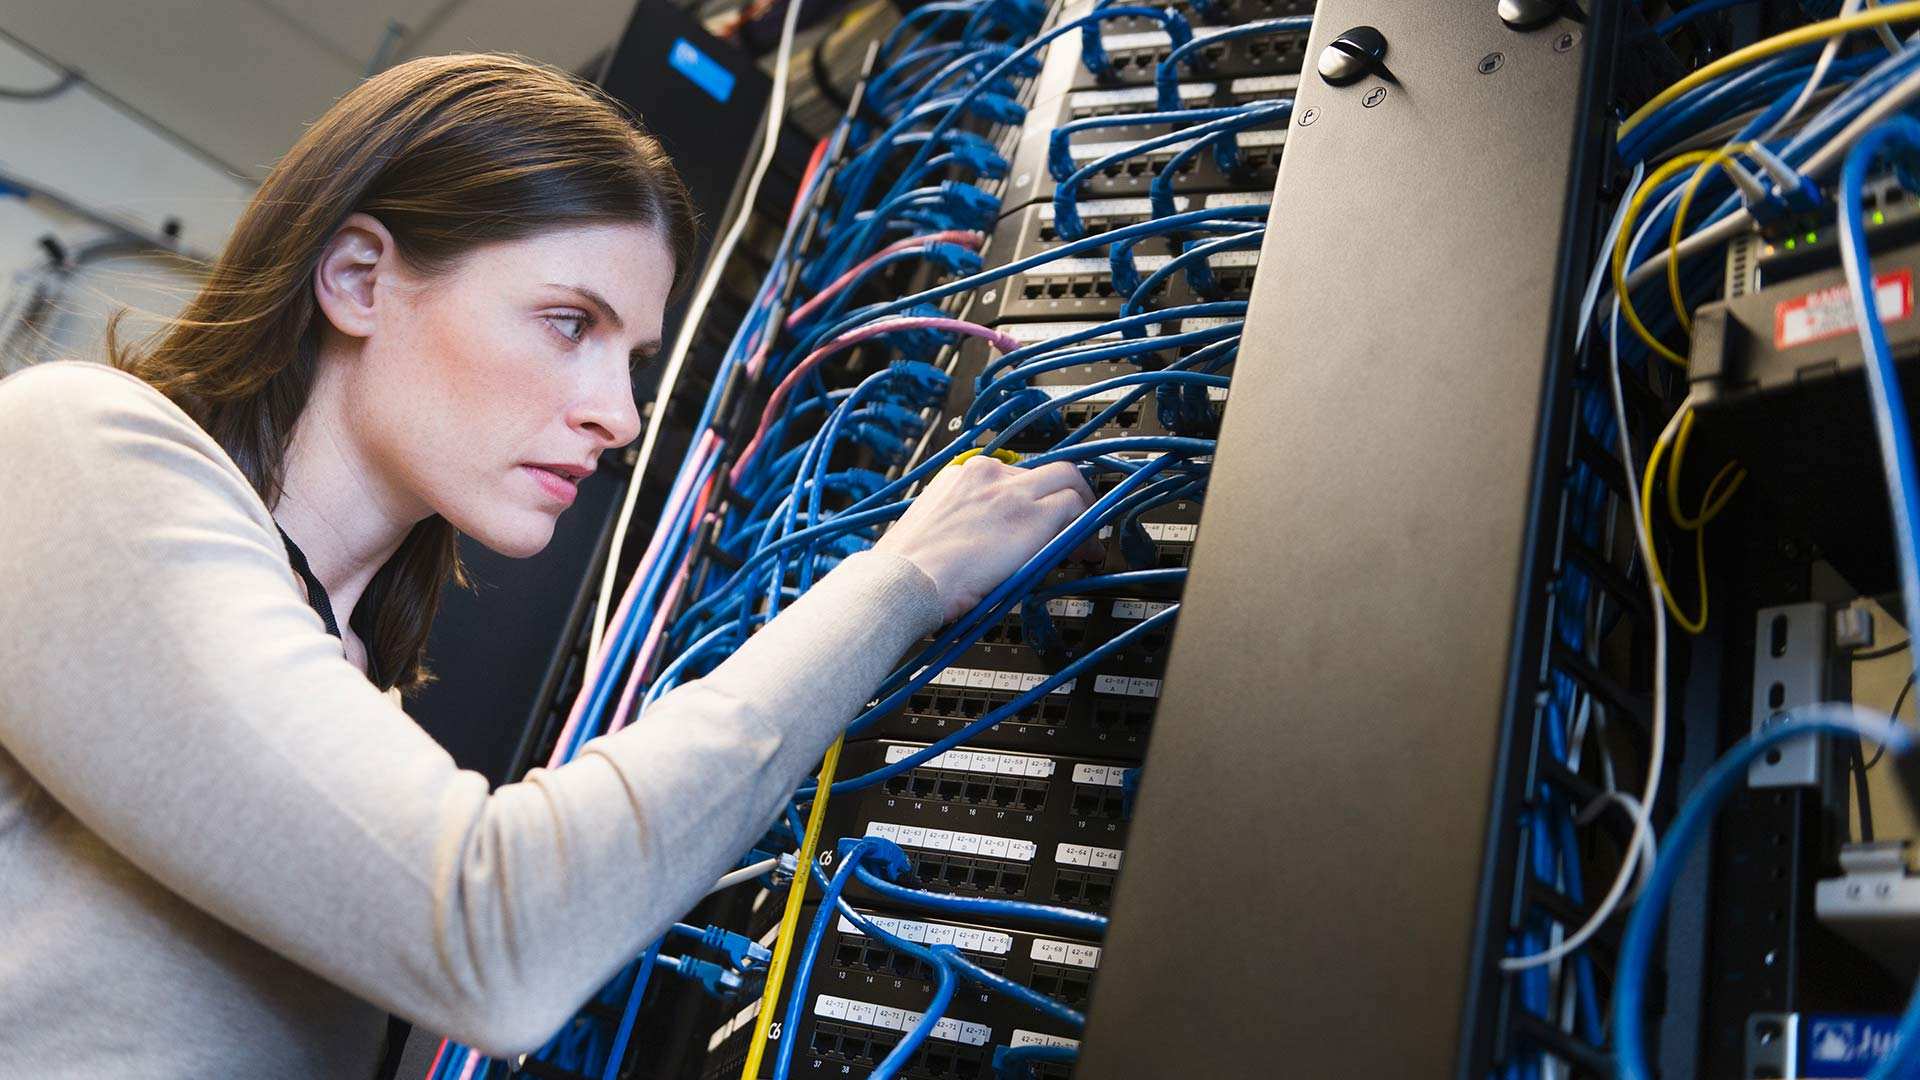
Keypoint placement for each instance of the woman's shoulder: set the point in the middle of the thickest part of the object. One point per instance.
(64, 391)
(87, 420)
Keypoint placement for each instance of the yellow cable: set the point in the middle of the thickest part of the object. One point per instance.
(1710, 506)
(1625, 240)
(1712, 503)
(1779, 43)
(790, 918)
(1721, 157)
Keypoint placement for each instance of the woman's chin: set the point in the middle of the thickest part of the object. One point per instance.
(520, 535)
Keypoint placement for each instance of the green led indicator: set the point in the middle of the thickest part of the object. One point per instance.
(1813, 238)
(1879, 217)
(1791, 243)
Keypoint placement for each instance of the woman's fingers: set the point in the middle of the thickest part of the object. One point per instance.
(1061, 508)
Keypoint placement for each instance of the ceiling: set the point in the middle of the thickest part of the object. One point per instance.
(238, 79)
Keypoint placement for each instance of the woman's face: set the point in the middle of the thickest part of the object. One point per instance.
(489, 390)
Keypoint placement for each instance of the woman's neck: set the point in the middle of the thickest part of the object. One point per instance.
(345, 515)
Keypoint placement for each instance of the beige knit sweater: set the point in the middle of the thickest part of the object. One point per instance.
(224, 853)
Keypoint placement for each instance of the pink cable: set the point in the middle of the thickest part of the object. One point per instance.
(643, 660)
(681, 488)
(847, 340)
(956, 236)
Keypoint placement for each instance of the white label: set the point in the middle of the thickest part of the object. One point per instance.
(1104, 775)
(1070, 607)
(979, 761)
(1093, 151)
(961, 842)
(1239, 198)
(1261, 138)
(1138, 95)
(1829, 313)
(1022, 1037)
(1126, 686)
(1095, 209)
(891, 1019)
(1214, 393)
(1171, 532)
(1138, 609)
(1065, 952)
(1264, 84)
(1207, 322)
(1099, 858)
(1152, 39)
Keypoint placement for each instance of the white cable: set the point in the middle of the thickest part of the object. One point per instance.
(1820, 66)
(1641, 840)
(1887, 36)
(1819, 163)
(745, 873)
(690, 324)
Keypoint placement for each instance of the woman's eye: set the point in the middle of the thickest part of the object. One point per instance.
(574, 327)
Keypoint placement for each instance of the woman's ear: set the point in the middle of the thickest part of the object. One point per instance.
(354, 261)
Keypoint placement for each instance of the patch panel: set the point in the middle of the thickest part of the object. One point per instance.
(1134, 56)
(860, 999)
(1082, 287)
(1220, 13)
(966, 863)
(1032, 228)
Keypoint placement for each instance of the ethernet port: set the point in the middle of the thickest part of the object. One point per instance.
(902, 965)
(1081, 288)
(1104, 287)
(922, 785)
(1056, 290)
(1032, 798)
(920, 703)
(967, 1066)
(1013, 882)
(1033, 291)
(1066, 890)
(1003, 795)
(1055, 712)
(937, 1061)
(1073, 990)
(1046, 982)
(955, 873)
(1153, 643)
(978, 791)
(1127, 418)
(949, 788)
(1085, 804)
(862, 1049)
(1098, 892)
(849, 954)
(1107, 716)
(898, 785)
(825, 1043)
(985, 878)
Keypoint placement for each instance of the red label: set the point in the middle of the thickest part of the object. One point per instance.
(1828, 313)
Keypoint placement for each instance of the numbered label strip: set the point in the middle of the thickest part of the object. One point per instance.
(1018, 682)
(932, 933)
(881, 1016)
(960, 843)
(1070, 953)
(1098, 858)
(979, 761)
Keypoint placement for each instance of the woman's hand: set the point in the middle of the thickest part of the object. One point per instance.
(979, 521)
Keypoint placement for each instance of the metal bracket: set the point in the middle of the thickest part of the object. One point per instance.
(1773, 1045)
(1789, 670)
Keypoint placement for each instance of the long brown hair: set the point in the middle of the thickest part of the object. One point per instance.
(449, 153)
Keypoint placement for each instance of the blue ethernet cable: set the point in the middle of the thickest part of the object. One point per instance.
(1119, 642)
(980, 906)
(1066, 193)
(1060, 142)
(850, 861)
(1725, 777)
(1195, 255)
(1167, 76)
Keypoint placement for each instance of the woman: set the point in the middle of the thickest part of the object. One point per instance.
(224, 850)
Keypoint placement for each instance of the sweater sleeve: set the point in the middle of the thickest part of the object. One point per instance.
(161, 677)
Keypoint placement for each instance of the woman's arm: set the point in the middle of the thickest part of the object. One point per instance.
(166, 683)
